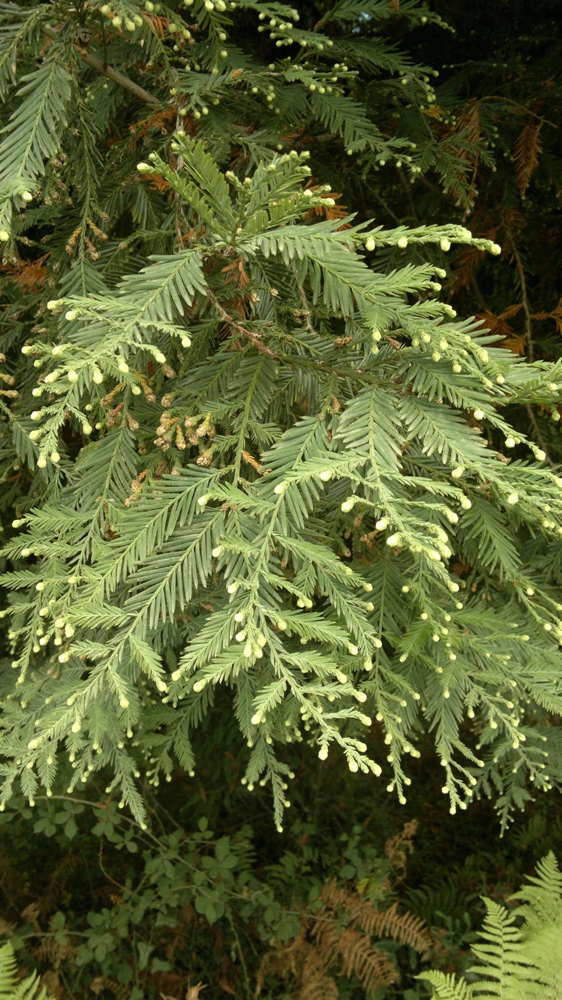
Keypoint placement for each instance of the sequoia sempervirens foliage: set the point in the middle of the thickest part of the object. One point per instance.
(244, 443)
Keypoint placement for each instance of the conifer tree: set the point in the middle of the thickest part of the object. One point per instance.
(244, 443)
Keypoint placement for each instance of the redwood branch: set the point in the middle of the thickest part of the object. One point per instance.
(112, 74)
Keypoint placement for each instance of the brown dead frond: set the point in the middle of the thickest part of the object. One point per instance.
(50, 980)
(316, 985)
(60, 874)
(48, 949)
(526, 152)
(101, 983)
(512, 226)
(28, 274)
(465, 264)
(235, 273)
(402, 927)
(555, 315)
(301, 961)
(157, 182)
(159, 120)
(499, 324)
(461, 145)
(340, 939)
(31, 915)
(399, 847)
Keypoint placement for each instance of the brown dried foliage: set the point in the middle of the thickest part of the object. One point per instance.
(28, 274)
(526, 152)
(340, 937)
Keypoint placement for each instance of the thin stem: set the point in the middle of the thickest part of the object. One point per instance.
(408, 191)
(540, 438)
(241, 955)
(102, 869)
(478, 292)
(524, 301)
(529, 339)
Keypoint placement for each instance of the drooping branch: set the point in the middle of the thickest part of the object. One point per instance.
(113, 74)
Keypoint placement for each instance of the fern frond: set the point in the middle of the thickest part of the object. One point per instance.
(446, 987)
(13, 988)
